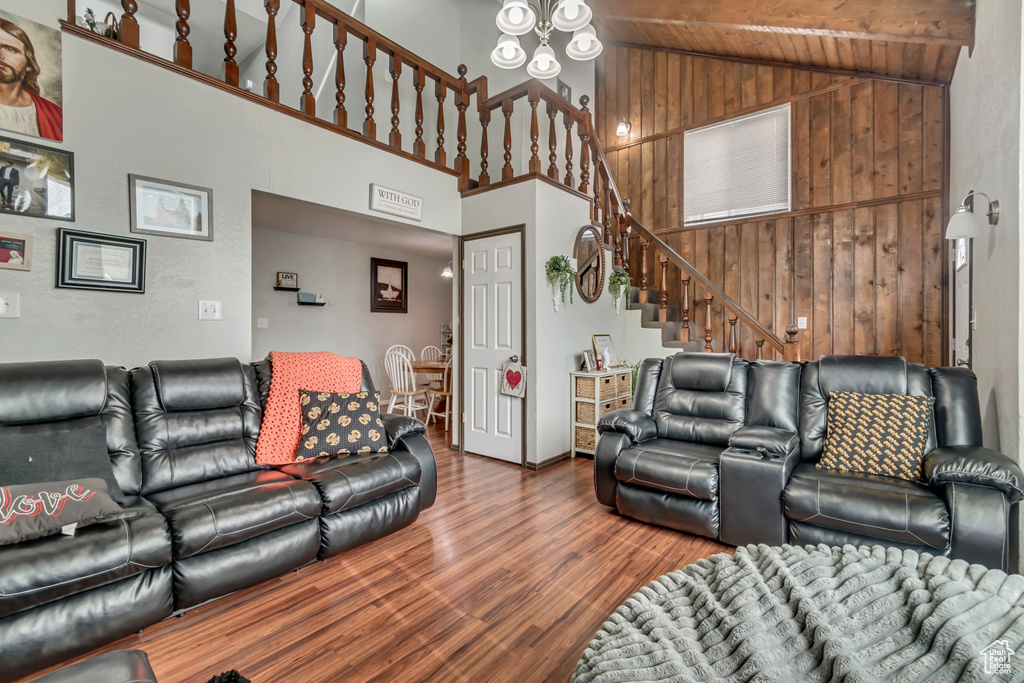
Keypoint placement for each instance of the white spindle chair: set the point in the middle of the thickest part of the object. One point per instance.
(435, 379)
(403, 385)
(442, 394)
(404, 350)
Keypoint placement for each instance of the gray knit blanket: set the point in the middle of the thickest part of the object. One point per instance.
(816, 614)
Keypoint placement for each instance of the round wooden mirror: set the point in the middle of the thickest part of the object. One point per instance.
(589, 255)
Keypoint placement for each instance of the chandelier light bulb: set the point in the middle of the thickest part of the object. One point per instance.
(584, 44)
(572, 10)
(571, 15)
(508, 54)
(515, 18)
(544, 64)
(515, 15)
(508, 51)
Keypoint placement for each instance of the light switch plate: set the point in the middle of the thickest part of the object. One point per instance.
(10, 305)
(801, 323)
(209, 310)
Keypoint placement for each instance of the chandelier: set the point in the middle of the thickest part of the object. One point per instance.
(518, 17)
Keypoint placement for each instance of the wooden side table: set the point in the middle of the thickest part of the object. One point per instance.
(594, 394)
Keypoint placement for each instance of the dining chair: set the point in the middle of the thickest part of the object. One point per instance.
(403, 385)
(404, 350)
(443, 394)
(434, 379)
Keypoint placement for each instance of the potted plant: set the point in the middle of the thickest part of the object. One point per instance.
(561, 275)
(619, 285)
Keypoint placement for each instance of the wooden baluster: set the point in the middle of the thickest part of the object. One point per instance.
(684, 334)
(439, 92)
(230, 33)
(567, 122)
(595, 204)
(760, 350)
(340, 43)
(485, 120)
(369, 58)
(552, 143)
(663, 311)
(419, 148)
(643, 268)
(462, 103)
(507, 172)
(625, 243)
(707, 322)
(271, 88)
(791, 351)
(72, 12)
(606, 213)
(732, 334)
(129, 34)
(395, 136)
(182, 48)
(534, 98)
(584, 133)
(307, 101)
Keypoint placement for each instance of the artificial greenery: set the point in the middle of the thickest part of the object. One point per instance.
(634, 369)
(561, 274)
(619, 284)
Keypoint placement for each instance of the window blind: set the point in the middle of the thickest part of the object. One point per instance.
(737, 168)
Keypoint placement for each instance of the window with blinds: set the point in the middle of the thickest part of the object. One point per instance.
(737, 168)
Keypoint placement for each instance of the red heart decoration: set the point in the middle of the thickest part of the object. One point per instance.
(513, 378)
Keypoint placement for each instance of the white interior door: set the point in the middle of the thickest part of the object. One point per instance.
(492, 333)
(962, 313)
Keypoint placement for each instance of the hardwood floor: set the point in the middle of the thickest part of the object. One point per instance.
(506, 578)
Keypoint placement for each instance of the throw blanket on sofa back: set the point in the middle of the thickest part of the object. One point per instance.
(281, 429)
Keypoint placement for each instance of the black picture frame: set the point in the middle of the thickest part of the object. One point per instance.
(383, 299)
(91, 260)
(26, 158)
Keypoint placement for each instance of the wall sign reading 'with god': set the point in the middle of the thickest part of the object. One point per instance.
(395, 203)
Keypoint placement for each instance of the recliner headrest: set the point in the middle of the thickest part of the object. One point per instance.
(49, 391)
(702, 371)
(203, 384)
(863, 374)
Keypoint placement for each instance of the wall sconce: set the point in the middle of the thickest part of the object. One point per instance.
(622, 130)
(967, 224)
(447, 272)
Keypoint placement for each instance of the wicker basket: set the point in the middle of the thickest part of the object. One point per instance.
(625, 402)
(586, 439)
(585, 387)
(585, 412)
(608, 387)
(624, 383)
(607, 407)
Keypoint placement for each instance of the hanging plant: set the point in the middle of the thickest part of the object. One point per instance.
(561, 275)
(619, 284)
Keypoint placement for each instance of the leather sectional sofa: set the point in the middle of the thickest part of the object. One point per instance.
(727, 448)
(202, 519)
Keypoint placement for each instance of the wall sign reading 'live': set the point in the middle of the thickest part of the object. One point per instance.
(396, 203)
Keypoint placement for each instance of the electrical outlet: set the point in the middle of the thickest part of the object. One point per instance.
(801, 323)
(209, 310)
(10, 305)
(262, 323)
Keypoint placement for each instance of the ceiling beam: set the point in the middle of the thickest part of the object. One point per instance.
(945, 22)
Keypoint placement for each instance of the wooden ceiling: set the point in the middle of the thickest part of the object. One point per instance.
(907, 39)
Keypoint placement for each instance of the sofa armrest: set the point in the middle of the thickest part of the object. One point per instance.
(974, 465)
(637, 426)
(774, 441)
(399, 426)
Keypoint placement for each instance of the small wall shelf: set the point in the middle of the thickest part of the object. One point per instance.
(286, 289)
(312, 303)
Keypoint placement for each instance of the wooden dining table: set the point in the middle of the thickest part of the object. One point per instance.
(429, 366)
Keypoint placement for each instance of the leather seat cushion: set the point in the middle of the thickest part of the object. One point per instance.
(679, 467)
(345, 482)
(226, 511)
(867, 505)
(45, 569)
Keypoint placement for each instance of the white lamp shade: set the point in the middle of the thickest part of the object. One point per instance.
(584, 44)
(964, 224)
(622, 130)
(509, 54)
(516, 17)
(447, 272)
(544, 64)
(571, 15)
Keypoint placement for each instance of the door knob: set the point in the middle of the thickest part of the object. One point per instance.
(961, 361)
(514, 359)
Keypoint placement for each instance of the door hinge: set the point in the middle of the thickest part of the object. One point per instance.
(463, 264)
(463, 418)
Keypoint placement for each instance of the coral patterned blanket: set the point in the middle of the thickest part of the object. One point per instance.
(281, 429)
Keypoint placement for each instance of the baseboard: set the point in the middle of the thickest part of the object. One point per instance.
(538, 466)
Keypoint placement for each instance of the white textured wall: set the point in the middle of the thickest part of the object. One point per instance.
(985, 139)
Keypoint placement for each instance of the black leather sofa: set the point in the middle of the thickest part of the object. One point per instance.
(181, 438)
(725, 448)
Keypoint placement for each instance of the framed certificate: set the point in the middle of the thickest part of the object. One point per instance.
(90, 260)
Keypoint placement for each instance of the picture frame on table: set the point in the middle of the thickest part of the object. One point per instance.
(170, 209)
(15, 251)
(389, 286)
(90, 260)
(589, 360)
(36, 181)
(603, 348)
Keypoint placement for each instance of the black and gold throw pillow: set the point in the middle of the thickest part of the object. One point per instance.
(334, 424)
(881, 434)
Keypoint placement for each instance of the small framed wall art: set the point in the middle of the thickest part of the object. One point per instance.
(15, 251)
(160, 207)
(288, 281)
(36, 181)
(90, 260)
(389, 286)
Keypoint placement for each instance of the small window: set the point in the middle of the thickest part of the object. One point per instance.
(737, 168)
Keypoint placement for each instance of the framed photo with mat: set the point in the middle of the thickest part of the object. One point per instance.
(389, 282)
(604, 349)
(90, 260)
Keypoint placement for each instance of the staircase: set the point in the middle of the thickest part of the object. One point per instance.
(672, 327)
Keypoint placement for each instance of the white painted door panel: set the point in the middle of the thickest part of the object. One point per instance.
(492, 287)
(962, 302)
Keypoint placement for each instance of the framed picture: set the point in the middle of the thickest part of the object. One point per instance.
(36, 181)
(564, 91)
(159, 207)
(388, 286)
(39, 48)
(287, 280)
(589, 361)
(89, 260)
(603, 348)
(15, 251)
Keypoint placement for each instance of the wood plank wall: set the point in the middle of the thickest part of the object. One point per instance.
(861, 255)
